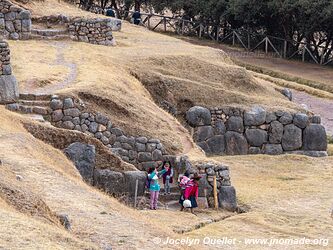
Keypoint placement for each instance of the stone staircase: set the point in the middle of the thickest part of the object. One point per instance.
(36, 106)
(49, 34)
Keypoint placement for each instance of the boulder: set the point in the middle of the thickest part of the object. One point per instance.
(130, 182)
(287, 93)
(219, 128)
(203, 133)
(235, 123)
(314, 138)
(102, 119)
(316, 119)
(57, 115)
(9, 92)
(64, 220)
(110, 181)
(68, 103)
(301, 120)
(144, 156)
(140, 147)
(254, 150)
(236, 144)
(204, 146)
(270, 117)
(256, 137)
(292, 138)
(142, 140)
(93, 127)
(255, 117)
(286, 118)
(157, 155)
(198, 116)
(275, 132)
(227, 198)
(56, 104)
(83, 156)
(273, 149)
(205, 189)
(73, 112)
(68, 125)
(216, 144)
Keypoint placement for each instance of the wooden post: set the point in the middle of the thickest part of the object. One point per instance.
(165, 24)
(136, 192)
(183, 27)
(233, 38)
(216, 202)
(149, 21)
(200, 30)
(217, 33)
(303, 54)
(285, 48)
(248, 41)
(266, 45)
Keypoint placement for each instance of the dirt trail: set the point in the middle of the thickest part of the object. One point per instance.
(69, 79)
(320, 106)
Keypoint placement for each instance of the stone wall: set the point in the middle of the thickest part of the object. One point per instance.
(70, 113)
(226, 193)
(112, 182)
(95, 31)
(15, 22)
(233, 131)
(8, 84)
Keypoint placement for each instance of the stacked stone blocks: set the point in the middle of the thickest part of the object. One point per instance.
(70, 113)
(15, 22)
(233, 131)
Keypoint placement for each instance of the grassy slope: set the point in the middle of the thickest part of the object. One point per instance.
(289, 196)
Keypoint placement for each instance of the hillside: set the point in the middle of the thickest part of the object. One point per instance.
(286, 196)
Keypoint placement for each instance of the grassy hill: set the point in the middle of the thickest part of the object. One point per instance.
(288, 196)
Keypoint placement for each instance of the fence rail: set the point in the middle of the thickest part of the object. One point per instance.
(275, 46)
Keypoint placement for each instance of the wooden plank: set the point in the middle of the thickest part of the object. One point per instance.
(310, 53)
(216, 202)
(157, 24)
(276, 51)
(240, 40)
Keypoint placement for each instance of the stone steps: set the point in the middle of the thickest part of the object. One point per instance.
(33, 97)
(26, 109)
(34, 103)
(49, 34)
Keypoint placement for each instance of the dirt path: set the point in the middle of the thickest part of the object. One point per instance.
(308, 71)
(60, 60)
(320, 106)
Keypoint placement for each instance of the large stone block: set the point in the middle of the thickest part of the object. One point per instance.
(198, 116)
(83, 156)
(292, 137)
(314, 138)
(256, 137)
(275, 132)
(219, 128)
(110, 181)
(235, 123)
(9, 92)
(130, 181)
(301, 120)
(273, 149)
(216, 145)
(144, 156)
(203, 133)
(227, 198)
(236, 144)
(255, 117)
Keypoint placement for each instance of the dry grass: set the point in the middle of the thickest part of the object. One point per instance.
(53, 7)
(290, 197)
(160, 63)
(97, 220)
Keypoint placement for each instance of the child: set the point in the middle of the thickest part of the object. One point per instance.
(192, 190)
(167, 176)
(183, 182)
(154, 186)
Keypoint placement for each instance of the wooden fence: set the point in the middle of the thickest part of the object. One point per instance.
(275, 46)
